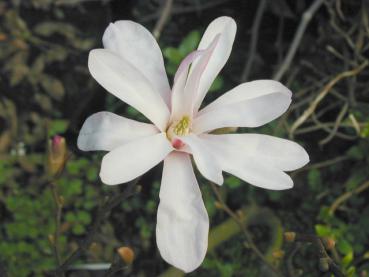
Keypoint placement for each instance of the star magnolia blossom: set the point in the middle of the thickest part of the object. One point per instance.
(131, 67)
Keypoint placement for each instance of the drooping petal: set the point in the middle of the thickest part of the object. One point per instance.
(107, 131)
(135, 44)
(123, 80)
(283, 154)
(249, 112)
(250, 168)
(134, 158)
(226, 28)
(182, 221)
(204, 159)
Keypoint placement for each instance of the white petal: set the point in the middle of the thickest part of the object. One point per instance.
(107, 131)
(226, 27)
(253, 112)
(204, 159)
(133, 159)
(178, 91)
(283, 154)
(248, 90)
(250, 168)
(182, 221)
(123, 80)
(135, 44)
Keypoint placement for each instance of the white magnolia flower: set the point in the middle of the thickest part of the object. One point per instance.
(131, 67)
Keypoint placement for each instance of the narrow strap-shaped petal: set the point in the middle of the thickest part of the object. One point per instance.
(135, 44)
(204, 159)
(245, 91)
(283, 154)
(250, 168)
(243, 112)
(133, 159)
(182, 221)
(107, 131)
(123, 80)
(226, 28)
(178, 108)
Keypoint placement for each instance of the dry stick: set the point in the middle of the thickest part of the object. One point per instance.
(336, 125)
(324, 93)
(344, 197)
(236, 218)
(163, 18)
(254, 40)
(306, 17)
(101, 214)
(59, 207)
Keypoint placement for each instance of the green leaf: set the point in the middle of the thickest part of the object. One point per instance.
(323, 230)
(173, 55)
(217, 84)
(58, 126)
(344, 247)
(189, 43)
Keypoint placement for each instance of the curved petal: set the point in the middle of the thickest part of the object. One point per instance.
(107, 131)
(252, 112)
(226, 27)
(204, 159)
(250, 168)
(135, 44)
(283, 154)
(245, 91)
(124, 81)
(133, 159)
(182, 221)
(178, 92)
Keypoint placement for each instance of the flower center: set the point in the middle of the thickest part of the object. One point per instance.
(179, 128)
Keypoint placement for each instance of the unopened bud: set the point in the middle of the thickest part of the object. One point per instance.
(278, 254)
(323, 264)
(51, 238)
(218, 205)
(127, 254)
(289, 236)
(57, 155)
(329, 243)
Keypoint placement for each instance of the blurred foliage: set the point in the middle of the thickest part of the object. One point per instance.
(45, 90)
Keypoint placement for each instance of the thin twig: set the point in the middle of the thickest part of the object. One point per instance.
(103, 211)
(306, 17)
(58, 212)
(250, 242)
(165, 13)
(336, 125)
(254, 40)
(344, 197)
(324, 93)
(326, 263)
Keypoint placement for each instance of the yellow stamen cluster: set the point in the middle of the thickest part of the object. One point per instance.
(182, 127)
(179, 128)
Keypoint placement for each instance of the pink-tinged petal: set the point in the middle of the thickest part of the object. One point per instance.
(250, 168)
(135, 44)
(281, 153)
(253, 112)
(180, 79)
(226, 28)
(182, 221)
(107, 131)
(204, 159)
(133, 159)
(123, 80)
